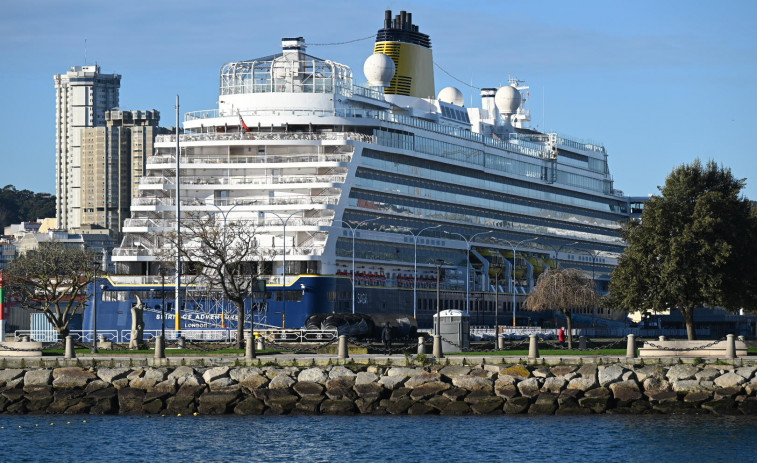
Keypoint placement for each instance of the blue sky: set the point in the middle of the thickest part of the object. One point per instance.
(659, 83)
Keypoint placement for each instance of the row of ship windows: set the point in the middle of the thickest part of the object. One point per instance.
(420, 168)
(477, 157)
(455, 193)
(386, 205)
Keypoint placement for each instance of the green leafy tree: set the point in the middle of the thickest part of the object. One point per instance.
(53, 280)
(563, 290)
(695, 246)
(24, 205)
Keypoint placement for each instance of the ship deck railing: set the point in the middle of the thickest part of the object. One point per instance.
(246, 159)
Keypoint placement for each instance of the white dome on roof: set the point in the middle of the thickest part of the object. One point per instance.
(379, 70)
(507, 99)
(451, 95)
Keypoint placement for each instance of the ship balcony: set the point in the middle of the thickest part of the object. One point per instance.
(146, 226)
(169, 141)
(264, 160)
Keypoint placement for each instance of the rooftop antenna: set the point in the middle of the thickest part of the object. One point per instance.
(85, 51)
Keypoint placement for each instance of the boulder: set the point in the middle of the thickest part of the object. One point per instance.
(456, 409)
(473, 383)
(281, 382)
(729, 379)
(250, 406)
(419, 408)
(240, 373)
(217, 403)
(337, 407)
(71, 377)
(518, 371)
(545, 404)
(308, 388)
(212, 374)
(517, 405)
(392, 382)
(339, 371)
(369, 390)
(428, 390)
(610, 374)
(423, 378)
(554, 384)
(252, 382)
(625, 392)
(130, 400)
(365, 377)
(452, 371)
(529, 387)
(313, 375)
(583, 383)
(37, 378)
(681, 372)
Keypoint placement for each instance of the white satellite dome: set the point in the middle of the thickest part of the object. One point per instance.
(379, 70)
(451, 95)
(507, 100)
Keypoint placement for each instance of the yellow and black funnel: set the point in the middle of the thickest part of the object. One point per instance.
(411, 52)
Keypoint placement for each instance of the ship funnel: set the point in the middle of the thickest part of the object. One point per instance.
(411, 52)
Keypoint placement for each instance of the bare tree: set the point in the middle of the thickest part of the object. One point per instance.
(225, 254)
(563, 290)
(53, 280)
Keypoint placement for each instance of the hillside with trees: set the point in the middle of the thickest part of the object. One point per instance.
(24, 206)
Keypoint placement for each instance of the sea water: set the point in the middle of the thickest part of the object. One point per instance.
(607, 438)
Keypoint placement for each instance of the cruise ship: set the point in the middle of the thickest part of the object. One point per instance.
(376, 198)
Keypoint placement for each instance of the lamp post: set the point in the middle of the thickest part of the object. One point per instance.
(283, 270)
(437, 331)
(353, 230)
(515, 250)
(162, 271)
(467, 265)
(557, 251)
(593, 254)
(103, 269)
(415, 267)
(497, 270)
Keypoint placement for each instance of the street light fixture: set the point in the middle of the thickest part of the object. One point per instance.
(104, 270)
(354, 229)
(284, 270)
(415, 267)
(467, 265)
(557, 251)
(515, 250)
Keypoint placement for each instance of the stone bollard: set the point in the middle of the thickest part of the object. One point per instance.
(631, 347)
(343, 353)
(160, 347)
(421, 345)
(181, 342)
(249, 347)
(438, 353)
(70, 354)
(662, 338)
(533, 347)
(730, 346)
(500, 342)
(582, 342)
(260, 344)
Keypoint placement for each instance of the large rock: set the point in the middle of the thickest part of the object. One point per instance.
(423, 378)
(505, 391)
(365, 377)
(225, 384)
(554, 384)
(212, 374)
(625, 392)
(529, 387)
(746, 372)
(730, 379)
(681, 372)
(456, 409)
(37, 378)
(71, 377)
(130, 400)
(656, 383)
(104, 401)
(545, 404)
(649, 371)
(339, 371)
(399, 406)
(488, 406)
(582, 383)
(420, 408)
(338, 407)
(610, 374)
(452, 371)
(250, 406)
(281, 382)
(369, 390)
(688, 385)
(308, 405)
(111, 374)
(217, 403)
(239, 374)
(308, 388)
(473, 383)
(253, 382)
(708, 374)
(428, 390)
(38, 398)
(517, 405)
(313, 375)
(9, 375)
(392, 382)
(519, 371)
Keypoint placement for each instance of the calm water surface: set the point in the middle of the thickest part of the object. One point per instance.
(649, 439)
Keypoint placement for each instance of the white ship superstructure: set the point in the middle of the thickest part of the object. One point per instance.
(413, 182)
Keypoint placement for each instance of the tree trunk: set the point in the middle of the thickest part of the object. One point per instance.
(569, 319)
(240, 324)
(688, 318)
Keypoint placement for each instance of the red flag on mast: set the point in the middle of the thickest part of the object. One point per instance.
(241, 122)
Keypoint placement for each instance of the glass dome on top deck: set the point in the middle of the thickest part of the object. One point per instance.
(292, 71)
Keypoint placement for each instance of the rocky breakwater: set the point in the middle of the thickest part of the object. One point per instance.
(370, 389)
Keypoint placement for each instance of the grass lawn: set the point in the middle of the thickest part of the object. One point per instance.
(151, 352)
